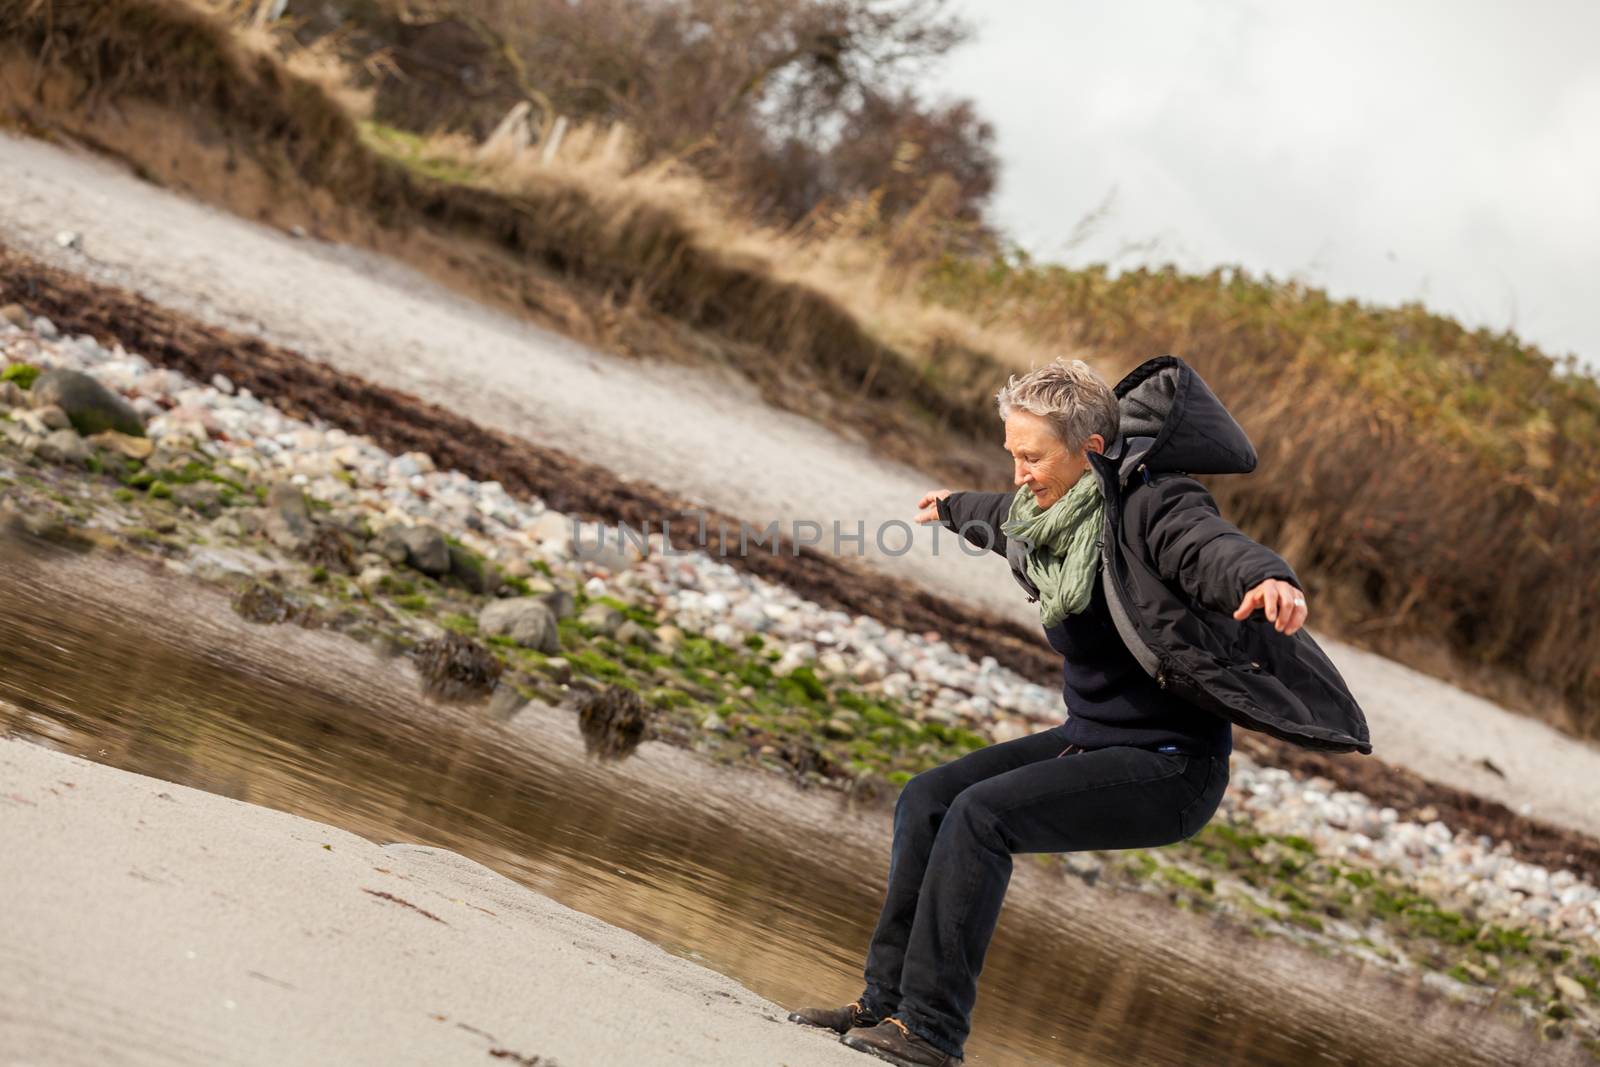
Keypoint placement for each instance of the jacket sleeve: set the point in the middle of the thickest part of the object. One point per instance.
(977, 517)
(1192, 545)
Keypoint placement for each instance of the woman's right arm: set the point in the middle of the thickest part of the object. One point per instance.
(975, 516)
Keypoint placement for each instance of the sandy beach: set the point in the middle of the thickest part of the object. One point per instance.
(153, 924)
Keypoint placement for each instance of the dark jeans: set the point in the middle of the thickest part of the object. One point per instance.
(956, 828)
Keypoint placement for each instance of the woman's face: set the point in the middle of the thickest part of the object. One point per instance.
(1041, 463)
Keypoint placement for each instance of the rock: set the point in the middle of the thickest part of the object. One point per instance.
(612, 721)
(64, 446)
(426, 550)
(799, 654)
(606, 547)
(30, 421)
(1009, 729)
(558, 669)
(214, 565)
(473, 571)
(526, 620)
(455, 667)
(505, 703)
(421, 461)
(45, 328)
(371, 579)
(329, 547)
(553, 531)
(832, 662)
(897, 686)
(839, 729)
(1571, 988)
(204, 497)
(538, 584)
(390, 543)
(91, 406)
(866, 671)
(669, 638)
(70, 239)
(351, 521)
(252, 521)
(16, 315)
(123, 444)
(288, 518)
(227, 525)
(12, 396)
(262, 603)
(1084, 866)
(41, 525)
(19, 434)
(631, 633)
(561, 603)
(602, 618)
(52, 417)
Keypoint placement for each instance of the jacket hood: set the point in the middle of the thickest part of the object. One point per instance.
(1172, 421)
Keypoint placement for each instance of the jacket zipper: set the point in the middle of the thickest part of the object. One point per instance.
(1124, 623)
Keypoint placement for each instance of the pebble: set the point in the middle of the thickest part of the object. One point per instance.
(1571, 988)
(692, 593)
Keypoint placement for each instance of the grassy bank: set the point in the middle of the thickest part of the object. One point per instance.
(1434, 485)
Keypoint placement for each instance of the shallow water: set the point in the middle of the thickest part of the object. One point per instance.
(735, 870)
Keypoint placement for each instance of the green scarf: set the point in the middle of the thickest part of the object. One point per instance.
(1065, 539)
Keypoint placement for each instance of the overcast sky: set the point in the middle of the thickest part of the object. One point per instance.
(1447, 152)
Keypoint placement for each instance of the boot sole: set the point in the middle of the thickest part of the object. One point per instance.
(796, 1017)
(887, 1057)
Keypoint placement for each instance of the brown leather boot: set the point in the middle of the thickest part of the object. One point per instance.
(839, 1020)
(890, 1040)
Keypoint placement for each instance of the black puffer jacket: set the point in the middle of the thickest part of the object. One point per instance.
(1175, 570)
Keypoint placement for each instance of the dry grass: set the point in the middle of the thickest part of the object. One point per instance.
(1436, 488)
(1440, 487)
(874, 271)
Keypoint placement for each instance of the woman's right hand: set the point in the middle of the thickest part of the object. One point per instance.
(929, 506)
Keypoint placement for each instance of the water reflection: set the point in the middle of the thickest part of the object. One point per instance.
(729, 869)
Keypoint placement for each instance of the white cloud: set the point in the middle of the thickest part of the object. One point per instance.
(1443, 151)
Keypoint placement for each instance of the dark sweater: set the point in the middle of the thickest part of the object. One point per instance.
(1112, 701)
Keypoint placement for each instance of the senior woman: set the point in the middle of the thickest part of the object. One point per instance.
(1172, 625)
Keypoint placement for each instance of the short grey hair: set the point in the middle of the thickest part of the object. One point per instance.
(1075, 400)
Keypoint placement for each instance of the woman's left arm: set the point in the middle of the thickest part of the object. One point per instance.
(1209, 558)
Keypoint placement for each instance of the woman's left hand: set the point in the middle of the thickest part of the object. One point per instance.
(1285, 605)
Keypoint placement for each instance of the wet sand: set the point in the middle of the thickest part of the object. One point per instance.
(151, 923)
